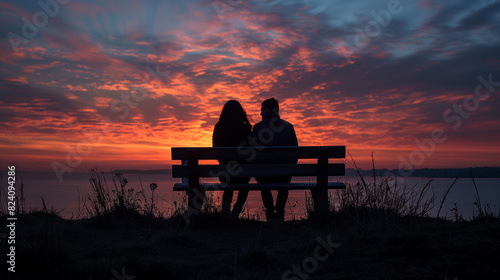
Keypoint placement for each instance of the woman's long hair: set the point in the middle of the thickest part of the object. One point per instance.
(233, 112)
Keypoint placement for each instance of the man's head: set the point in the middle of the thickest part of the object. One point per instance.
(270, 107)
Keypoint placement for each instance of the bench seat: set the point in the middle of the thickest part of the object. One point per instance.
(257, 186)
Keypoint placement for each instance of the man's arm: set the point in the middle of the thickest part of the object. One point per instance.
(293, 142)
(293, 137)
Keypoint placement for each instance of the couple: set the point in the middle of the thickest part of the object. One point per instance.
(232, 130)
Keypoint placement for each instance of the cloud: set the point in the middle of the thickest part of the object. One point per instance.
(188, 58)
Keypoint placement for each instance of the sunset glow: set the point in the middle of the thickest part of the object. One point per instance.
(116, 84)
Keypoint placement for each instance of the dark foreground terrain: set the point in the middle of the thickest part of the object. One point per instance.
(132, 246)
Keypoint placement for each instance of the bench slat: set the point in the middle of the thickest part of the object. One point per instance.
(257, 186)
(262, 153)
(259, 170)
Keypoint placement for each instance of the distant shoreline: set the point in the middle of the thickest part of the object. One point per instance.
(477, 172)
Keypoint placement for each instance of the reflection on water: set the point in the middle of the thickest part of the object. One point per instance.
(65, 196)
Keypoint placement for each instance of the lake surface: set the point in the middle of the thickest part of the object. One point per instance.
(68, 195)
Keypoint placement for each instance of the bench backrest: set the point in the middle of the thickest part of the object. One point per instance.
(242, 161)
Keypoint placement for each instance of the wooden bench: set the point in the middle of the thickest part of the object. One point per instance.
(192, 170)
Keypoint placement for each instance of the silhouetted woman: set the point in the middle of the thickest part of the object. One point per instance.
(232, 129)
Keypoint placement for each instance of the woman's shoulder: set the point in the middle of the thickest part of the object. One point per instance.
(217, 126)
(232, 126)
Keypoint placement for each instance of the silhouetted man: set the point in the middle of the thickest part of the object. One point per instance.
(273, 131)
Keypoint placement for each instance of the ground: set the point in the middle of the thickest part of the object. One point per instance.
(121, 246)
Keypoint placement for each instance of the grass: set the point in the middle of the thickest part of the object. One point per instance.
(384, 229)
(221, 248)
(118, 198)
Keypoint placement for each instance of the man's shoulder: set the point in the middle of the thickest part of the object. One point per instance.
(288, 126)
(271, 122)
(286, 123)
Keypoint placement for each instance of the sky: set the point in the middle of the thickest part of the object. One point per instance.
(116, 84)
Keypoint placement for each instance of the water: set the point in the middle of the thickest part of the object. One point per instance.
(68, 195)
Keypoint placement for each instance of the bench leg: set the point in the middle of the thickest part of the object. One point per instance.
(320, 195)
(196, 194)
(195, 200)
(320, 199)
